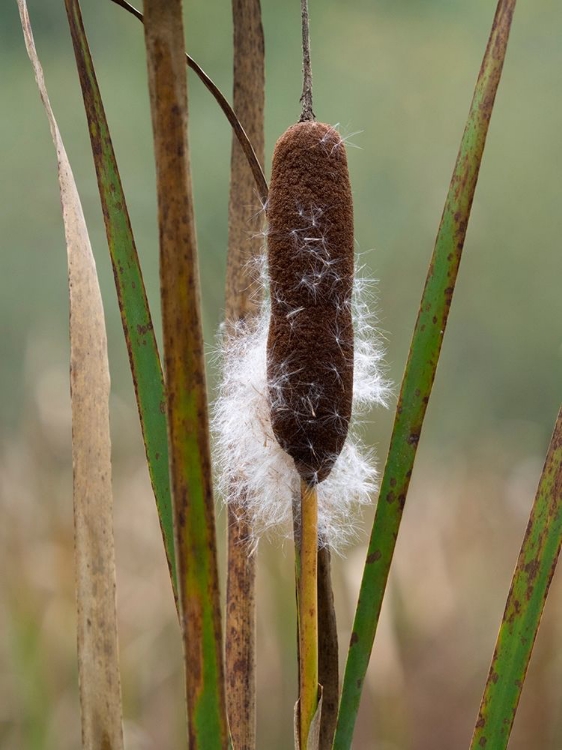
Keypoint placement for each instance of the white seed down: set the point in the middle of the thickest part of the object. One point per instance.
(253, 471)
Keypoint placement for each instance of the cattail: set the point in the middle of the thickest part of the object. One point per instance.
(264, 401)
(310, 258)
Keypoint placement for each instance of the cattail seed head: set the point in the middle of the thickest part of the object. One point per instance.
(310, 257)
(254, 472)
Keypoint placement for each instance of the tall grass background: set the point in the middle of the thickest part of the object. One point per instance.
(403, 75)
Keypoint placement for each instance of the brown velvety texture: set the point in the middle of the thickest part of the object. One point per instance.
(310, 257)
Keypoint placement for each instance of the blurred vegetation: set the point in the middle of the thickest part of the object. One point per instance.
(402, 73)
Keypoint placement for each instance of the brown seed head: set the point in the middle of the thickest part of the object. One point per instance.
(310, 258)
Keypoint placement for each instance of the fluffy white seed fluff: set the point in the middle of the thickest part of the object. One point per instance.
(254, 472)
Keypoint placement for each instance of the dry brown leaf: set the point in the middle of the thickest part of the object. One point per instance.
(328, 671)
(100, 687)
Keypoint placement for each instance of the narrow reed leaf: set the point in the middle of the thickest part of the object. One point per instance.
(188, 431)
(420, 372)
(245, 220)
(525, 603)
(98, 659)
(253, 157)
(133, 303)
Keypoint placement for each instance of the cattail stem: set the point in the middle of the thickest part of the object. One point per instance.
(308, 611)
(306, 98)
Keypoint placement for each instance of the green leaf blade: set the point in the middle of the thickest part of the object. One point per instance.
(525, 603)
(419, 374)
(133, 303)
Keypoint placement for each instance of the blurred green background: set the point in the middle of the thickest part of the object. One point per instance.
(401, 73)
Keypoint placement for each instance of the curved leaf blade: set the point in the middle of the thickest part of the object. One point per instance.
(98, 653)
(523, 611)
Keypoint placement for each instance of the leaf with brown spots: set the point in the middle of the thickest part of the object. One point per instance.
(525, 603)
(421, 366)
(187, 410)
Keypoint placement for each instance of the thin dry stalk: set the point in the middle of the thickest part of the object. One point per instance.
(306, 97)
(243, 243)
(245, 215)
